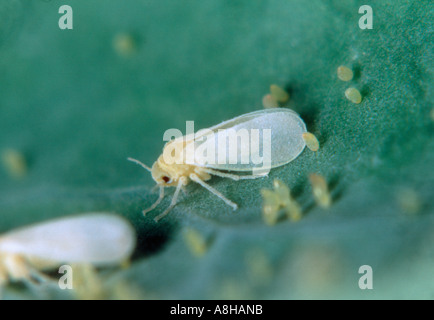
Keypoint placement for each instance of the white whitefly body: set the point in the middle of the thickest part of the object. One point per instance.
(286, 128)
(283, 127)
(100, 239)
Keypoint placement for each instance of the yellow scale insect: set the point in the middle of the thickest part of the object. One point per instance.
(100, 239)
(285, 130)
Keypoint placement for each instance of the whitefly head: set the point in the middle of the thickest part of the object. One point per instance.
(162, 177)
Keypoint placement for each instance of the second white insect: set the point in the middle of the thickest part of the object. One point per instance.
(283, 128)
(100, 239)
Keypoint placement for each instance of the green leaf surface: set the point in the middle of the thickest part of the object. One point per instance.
(76, 106)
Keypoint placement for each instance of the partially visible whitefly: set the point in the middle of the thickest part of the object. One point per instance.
(98, 239)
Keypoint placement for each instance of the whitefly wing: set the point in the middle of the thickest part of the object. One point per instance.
(96, 238)
(281, 128)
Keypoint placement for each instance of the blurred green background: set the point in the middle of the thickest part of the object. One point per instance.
(76, 103)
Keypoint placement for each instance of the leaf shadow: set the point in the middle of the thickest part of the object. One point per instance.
(153, 237)
(307, 108)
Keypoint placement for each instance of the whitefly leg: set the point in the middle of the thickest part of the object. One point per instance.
(232, 176)
(3, 279)
(154, 188)
(39, 276)
(181, 183)
(19, 268)
(16, 267)
(196, 179)
(160, 198)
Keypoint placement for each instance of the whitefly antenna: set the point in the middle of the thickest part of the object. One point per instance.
(144, 166)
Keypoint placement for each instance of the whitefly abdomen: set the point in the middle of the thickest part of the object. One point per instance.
(281, 128)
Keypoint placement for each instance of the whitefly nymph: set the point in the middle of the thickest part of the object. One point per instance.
(235, 152)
